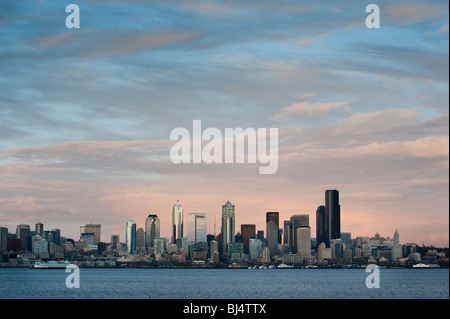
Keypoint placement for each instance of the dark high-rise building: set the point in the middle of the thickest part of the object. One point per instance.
(333, 214)
(321, 227)
(260, 235)
(299, 220)
(272, 225)
(152, 230)
(247, 231)
(287, 232)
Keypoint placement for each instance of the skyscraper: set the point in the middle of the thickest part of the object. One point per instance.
(297, 221)
(333, 214)
(152, 230)
(247, 231)
(272, 225)
(321, 227)
(130, 234)
(228, 230)
(197, 229)
(177, 223)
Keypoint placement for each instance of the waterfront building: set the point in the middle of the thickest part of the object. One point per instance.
(323, 252)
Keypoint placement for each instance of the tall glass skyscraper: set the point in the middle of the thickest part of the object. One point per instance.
(228, 225)
(333, 214)
(197, 228)
(177, 223)
(130, 234)
(152, 230)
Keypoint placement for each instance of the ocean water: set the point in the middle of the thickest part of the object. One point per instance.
(98, 283)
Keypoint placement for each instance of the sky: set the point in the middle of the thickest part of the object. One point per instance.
(86, 114)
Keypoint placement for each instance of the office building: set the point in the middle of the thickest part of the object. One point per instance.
(39, 244)
(321, 227)
(130, 235)
(247, 231)
(272, 225)
(197, 228)
(255, 248)
(177, 224)
(152, 230)
(228, 225)
(22, 231)
(333, 214)
(54, 236)
(397, 248)
(304, 241)
(299, 220)
(287, 232)
(140, 239)
(92, 228)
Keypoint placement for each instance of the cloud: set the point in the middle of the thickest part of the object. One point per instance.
(109, 43)
(308, 110)
(444, 28)
(412, 13)
(314, 39)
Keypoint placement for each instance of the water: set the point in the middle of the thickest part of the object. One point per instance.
(97, 283)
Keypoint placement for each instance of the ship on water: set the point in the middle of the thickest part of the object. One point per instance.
(51, 264)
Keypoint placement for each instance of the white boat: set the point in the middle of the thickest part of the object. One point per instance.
(51, 264)
(422, 265)
(285, 266)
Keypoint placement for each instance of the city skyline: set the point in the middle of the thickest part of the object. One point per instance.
(295, 220)
(86, 114)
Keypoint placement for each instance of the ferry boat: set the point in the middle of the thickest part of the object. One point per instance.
(285, 266)
(51, 264)
(422, 265)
